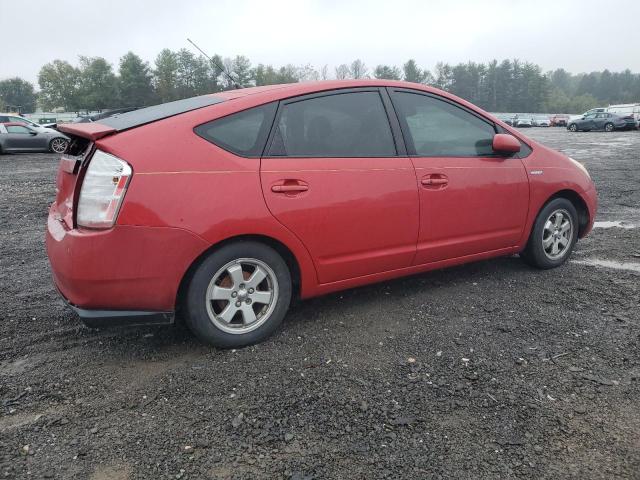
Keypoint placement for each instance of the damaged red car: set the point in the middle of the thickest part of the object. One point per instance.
(225, 207)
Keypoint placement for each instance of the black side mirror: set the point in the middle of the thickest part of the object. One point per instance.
(31, 132)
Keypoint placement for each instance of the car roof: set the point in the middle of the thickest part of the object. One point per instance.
(300, 88)
(249, 97)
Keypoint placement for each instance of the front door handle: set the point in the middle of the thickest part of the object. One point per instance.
(435, 180)
(290, 186)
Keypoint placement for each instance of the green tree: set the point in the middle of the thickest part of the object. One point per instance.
(17, 93)
(135, 82)
(387, 73)
(98, 84)
(412, 73)
(264, 75)
(194, 75)
(59, 83)
(239, 68)
(443, 76)
(288, 74)
(165, 75)
(582, 103)
(561, 79)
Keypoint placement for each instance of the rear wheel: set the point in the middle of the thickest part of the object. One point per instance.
(58, 145)
(238, 295)
(554, 235)
(573, 127)
(609, 127)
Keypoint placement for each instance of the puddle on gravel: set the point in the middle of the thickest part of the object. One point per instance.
(596, 262)
(614, 224)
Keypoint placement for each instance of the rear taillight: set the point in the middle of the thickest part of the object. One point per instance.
(103, 189)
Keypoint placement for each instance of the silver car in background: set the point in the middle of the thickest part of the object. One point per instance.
(18, 137)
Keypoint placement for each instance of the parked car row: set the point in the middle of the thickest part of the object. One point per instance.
(614, 117)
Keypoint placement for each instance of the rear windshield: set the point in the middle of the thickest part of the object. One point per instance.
(135, 118)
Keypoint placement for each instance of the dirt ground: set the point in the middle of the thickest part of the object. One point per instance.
(490, 370)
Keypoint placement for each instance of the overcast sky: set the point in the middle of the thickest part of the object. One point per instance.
(578, 35)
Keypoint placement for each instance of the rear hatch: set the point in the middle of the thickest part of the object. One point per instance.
(73, 164)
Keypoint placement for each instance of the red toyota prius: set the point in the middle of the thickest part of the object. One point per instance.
(224, 207)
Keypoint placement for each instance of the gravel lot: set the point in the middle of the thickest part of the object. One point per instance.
(489, 370)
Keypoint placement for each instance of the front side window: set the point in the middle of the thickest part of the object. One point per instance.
(17, 129)
(339, 125)
(437, 128)
(243, 133)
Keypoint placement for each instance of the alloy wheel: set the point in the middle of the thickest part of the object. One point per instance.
(59, 145)
(557, 234)
(242, 295)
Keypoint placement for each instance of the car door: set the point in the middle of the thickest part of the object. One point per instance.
(19, 137)
(333, 176)
(599, 121)
(471, 200)
(588, 122)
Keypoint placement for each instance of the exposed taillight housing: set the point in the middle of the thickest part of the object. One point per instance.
(103, 188)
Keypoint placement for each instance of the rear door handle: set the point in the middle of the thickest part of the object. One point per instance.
(290, 186)
(434, 180)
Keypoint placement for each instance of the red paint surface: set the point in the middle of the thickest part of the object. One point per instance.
(356, 221)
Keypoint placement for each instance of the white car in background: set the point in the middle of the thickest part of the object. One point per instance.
(523, 123)
(541, 121)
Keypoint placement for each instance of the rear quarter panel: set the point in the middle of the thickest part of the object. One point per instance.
(182, 181)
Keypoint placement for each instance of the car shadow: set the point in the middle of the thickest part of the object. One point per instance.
(158, 339)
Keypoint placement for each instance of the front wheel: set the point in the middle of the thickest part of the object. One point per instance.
(609, 127)
(553, 236)
(573, 127)
(238, 295)
(58, 145)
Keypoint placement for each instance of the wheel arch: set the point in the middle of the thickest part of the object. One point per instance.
(579, 204)
(284, 251)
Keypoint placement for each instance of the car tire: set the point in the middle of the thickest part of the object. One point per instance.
(228, 285)
(553, 236)
(572, 127)
(58, 145)
(608, 127)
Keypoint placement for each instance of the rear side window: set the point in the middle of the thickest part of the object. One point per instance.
(437, 128)
(243, 133)
(339, 125)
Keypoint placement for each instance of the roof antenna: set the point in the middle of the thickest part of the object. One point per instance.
(219, 67)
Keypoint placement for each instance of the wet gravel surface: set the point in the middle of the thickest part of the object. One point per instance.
(490, 370)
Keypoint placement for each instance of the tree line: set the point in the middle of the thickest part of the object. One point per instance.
(507, 86)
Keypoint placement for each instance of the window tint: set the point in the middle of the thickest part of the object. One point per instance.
(17, 129)
(440, 129)
(243, 133)
(341, 125)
